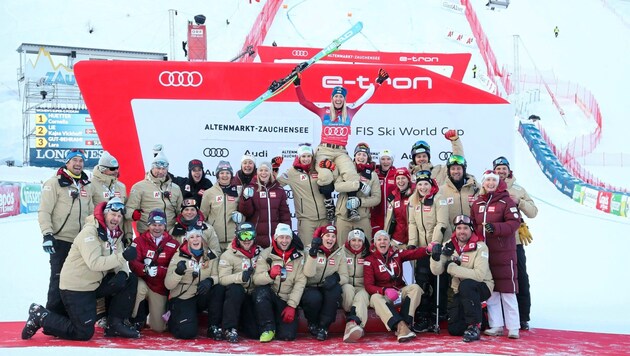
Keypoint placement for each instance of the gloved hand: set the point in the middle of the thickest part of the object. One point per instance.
(315, 245)
(451, 135)
(276, 162)
(448, 249)
(288, 314)
(130, 253)
(391, 294)
(297, 80)
(489, 227)
(248, 193)
(328, 164)
(275, 271)
(237, 217)
(331, 281)
(353, 203)
(137, 214)
(49, 243)
(300, 67)
(204, 286)
(436, 251)
(448, 263)
(247, 274)
(382, 76)
(150, 270)
(365, 188)
(524, 235)
(181, 268)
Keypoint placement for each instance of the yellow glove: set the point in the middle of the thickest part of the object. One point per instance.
(524, 235)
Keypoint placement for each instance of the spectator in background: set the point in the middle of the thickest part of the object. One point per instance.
(280, 280)
(421, 157)
(385, 171)
(525, 205)
(355, 299)
(155, 249)
(96, 267)
(264, 204)
(459, 190)
(496, 217)
(219, 205)
(308, 201)
(65, 202)
(236, 269)
(196, 183)
(155, 191)
(193, 281)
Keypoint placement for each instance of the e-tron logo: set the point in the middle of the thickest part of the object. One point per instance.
(180, 79)
(216, 152)
(338, 131)
(299, 53)
(401, 83)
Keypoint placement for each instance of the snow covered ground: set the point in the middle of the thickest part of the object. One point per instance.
(576, 260)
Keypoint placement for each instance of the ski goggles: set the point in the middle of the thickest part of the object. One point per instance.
(462, 219)
(422, 175)
(500, 161)
(116, 207)
(112, 169)
(160, 163)
(189, 202)
(456, 159)
(246, 235)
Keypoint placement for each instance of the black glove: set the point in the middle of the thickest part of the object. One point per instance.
(382, 76)
(436, 251)
(315, 245)
(181, 268)
(296, 81)
(331, 281)
(247, 274)
(489, 228)
(49, 243)
(130, 253)
(455, 261)
(204, 286)
(118, 281)
(448, 249)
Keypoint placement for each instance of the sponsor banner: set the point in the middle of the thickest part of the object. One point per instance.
(603, 201)
(9, 199)
(29, 197)
(197, 43)
(55, 157)
(590, 197)
(578, 193)
(616, 204)
(451, 65)
(46, 73)
(625, 206)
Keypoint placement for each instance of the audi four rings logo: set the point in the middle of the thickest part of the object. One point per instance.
(299, 53)
(216, 152)
(180, 79)
(336, 131)
(444, 155)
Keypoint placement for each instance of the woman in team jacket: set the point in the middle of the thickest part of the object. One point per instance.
(326, 271)
(397, 219)
(264, 204)
(192, 279)
(355, 299)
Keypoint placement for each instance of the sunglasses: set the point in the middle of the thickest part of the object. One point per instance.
(117, 207)
(456, 159)
(246, 235)
(112, 169)
(78, 150)
(160, 164)
(462, 219)
(500, 161)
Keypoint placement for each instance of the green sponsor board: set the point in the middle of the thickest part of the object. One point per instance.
(578, 194)
(29, 197)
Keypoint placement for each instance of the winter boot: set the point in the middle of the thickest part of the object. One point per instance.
(353, 332)
(498, 331)
(267, 336)
(215, 332)
(524, 325)
(36, 315)
(329, 204)
(513, 334)
(322, 334)
(116, 327)
(231, 335)
(403, 332)
(422, 325)
(313, 329)
(353, 215)
(472, 333)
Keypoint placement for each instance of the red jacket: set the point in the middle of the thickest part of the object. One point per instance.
(388, 185)
(499, 209)
(160, 255)
(376, 276)
(266, 209)
(399, 204)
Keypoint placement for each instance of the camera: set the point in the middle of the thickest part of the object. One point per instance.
(283, 274)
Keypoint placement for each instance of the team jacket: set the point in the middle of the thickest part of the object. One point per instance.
(458, 202)
(160, 256)
(322, 266)
(438, 172)
(308, 201)
(64, 205)
(185, 287)
(217, 205)
(291, 289)
(387, 181)
(525, 205)
(380, 272)
(95, 252)
(210, 236)
(499, 209)
(265, 210)
(427, 219)
(397, 219)
(354, 262)
(154, 193)
(234, 261)
(474, 263)
(368, 177)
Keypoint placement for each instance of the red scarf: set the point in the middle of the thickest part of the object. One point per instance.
(249, 254)
(326, 251)
(284, 254)
(363, 166)
(355, 252)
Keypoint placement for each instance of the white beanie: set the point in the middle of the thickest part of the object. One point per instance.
(283, 230)
(304, 149)
(387, 153)
(263, 164)
(157, 148)
(160, 158)
(247, 157)
(489, 174)
(107, 160)
(356, 234)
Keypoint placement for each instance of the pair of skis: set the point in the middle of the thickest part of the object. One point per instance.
(277, 86)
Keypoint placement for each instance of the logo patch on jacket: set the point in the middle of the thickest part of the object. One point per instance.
(289, 268)
(150, 253)
(83, 193)
(156, 195)
(170, 244)
(263, 194)
(426, 209)
(331, 262)
(272, 194)
(465, 258)
(482, 208)
(187, 187)
(491, 209)
(397, 204)
(321, 260)
(450, 200)
(219, 199)
(381, 268)
(303, 177)
(349, 260)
